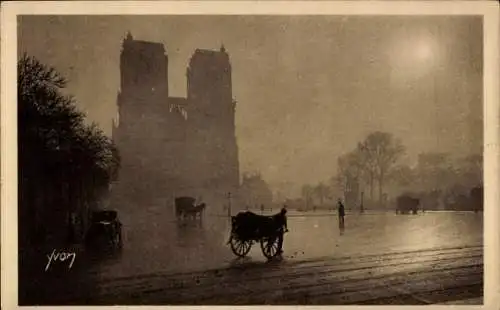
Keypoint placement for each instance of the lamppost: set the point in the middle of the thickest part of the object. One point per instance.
(229, 205)
(362, 208)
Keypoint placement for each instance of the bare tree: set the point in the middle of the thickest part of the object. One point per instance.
(307, 193)
(379, 152)
(401, 175)
(350, 171)
(472, 167)
(321, 192)
(434, 170)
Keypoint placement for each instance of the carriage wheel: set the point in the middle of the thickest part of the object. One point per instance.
(271, 246)
(240, 247)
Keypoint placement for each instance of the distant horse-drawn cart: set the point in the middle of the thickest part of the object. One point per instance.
(186, 207)
(407, 205)
(248, 227)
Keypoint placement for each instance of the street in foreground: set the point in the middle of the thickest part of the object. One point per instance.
(417, 277)
(378, 259)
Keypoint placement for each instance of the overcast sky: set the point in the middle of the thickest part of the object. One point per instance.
(308, 88)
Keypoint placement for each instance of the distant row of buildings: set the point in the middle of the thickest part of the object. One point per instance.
(171, 146)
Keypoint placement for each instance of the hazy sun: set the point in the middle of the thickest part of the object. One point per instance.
(413, 58)
(423, 51)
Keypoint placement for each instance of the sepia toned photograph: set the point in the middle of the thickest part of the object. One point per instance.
(267, 159)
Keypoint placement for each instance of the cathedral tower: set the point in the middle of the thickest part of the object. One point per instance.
(173, 146)
(144, 69)
(212, 120)
(149, 136)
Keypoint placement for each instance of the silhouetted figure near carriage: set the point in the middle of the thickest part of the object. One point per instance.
(341, 213)
(280, 218)
(262, 209)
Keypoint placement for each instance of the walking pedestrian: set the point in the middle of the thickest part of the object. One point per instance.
(341, 213)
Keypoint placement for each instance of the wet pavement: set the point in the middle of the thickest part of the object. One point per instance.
(378, 258)
(154, 246)
(415, 277)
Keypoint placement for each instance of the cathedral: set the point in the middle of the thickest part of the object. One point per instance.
(172, 146)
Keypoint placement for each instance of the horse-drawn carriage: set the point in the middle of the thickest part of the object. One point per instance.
(186, 207)
(248, 227)
(406, 204)
(105, 230)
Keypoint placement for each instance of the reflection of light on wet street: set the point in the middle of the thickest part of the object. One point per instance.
(154, 243)
(378, 258)
(432, 276)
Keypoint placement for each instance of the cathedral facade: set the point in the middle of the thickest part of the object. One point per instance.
(171, 146)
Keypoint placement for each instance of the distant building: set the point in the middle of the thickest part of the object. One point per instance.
(173, 146)
(255, 192)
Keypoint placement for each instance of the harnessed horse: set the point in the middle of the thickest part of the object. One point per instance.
(185, 208)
